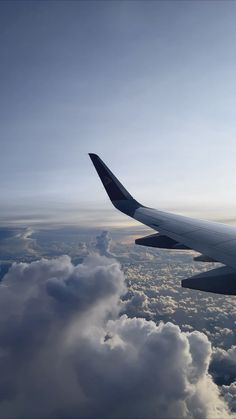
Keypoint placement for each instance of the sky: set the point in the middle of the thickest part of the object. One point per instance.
(149, 86)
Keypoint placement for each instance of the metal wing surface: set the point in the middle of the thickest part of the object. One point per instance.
(215, 241)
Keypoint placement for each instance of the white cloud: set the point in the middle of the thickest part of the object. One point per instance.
(65, 352)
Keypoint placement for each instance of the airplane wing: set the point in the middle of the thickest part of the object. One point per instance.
(215, 241)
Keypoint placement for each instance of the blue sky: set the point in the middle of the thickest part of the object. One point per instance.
(149, 86)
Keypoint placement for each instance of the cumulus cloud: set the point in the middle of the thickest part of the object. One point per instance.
(160, 281)
(229, 393)
(137, 304)
(103, 243)
(223, 365)
(66, 352)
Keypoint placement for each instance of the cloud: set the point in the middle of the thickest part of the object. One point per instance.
(103, 243)
(229, 393)
(66, 352)
(137, 304)
(223, 365)
(159, 283)
(17, 242)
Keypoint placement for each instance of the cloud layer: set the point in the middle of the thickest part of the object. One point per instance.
(66, 352)
(17, 242)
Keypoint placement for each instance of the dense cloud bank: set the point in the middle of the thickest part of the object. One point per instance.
(66, 353)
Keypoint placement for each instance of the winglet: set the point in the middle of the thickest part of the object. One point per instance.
(118, 195)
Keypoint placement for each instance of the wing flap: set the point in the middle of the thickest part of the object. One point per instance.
(160, 241)
(220, 280)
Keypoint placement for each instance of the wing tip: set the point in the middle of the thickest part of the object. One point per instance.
(118, 195)
(93, 155)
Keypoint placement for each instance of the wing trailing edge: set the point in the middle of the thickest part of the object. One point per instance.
(160, 241)
(220, 281)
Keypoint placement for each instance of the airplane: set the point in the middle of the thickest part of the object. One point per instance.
(216, 242)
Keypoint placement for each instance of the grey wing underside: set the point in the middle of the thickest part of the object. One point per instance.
(214, 241)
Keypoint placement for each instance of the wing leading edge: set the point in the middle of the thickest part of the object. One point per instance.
(215, 241)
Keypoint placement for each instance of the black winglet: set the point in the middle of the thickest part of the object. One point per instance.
(114, 188)
(119, 196)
